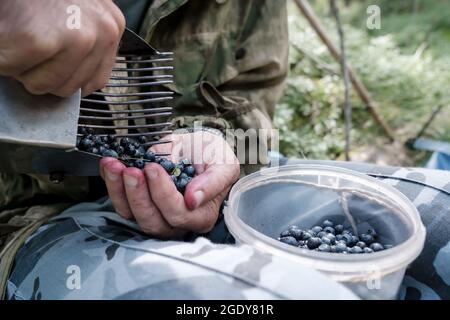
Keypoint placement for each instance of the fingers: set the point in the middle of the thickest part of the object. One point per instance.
(112, 174)
(144, 210)
(171, 203)
(208, 185)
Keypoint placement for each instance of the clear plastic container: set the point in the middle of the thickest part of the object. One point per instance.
(265, 203)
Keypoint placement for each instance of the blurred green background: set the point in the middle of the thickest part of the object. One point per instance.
(405, 65)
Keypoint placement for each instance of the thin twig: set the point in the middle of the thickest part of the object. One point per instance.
(344, 70)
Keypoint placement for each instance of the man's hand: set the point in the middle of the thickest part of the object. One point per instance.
(38, 49)
(151, 197)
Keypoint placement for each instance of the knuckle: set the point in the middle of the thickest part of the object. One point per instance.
(85, 41)
(176, 221)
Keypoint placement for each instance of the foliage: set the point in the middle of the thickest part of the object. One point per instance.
(406, 81)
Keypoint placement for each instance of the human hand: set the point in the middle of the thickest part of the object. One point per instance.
(151, 197)
(38, 49)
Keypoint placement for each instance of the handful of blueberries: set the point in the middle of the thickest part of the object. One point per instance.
(133, 153)
(332, 238)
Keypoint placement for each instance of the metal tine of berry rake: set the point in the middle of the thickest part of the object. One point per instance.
(133, 94)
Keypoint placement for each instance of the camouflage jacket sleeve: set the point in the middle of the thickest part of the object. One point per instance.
(238, 47)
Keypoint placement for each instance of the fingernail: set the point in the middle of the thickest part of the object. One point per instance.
(151, 174)
(111, 176)
(130, 181)
(198, 196)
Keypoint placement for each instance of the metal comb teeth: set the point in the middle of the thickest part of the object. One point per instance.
(135, 100)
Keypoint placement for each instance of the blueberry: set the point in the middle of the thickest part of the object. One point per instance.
(331, 237)
(181, 184)
(110, 153)
(339, 228)
(339, 237)
(285, 233)
(306, 235)
(333, 248)
(97, 141)
(313, 242)
(321, 234)
(301, 243)
(150, 156)
(130, 149)
(326, 240)
(355, 240)
(93, 150)
(361, 244)
(85, 144)
(329, 230)
(115, 145)
(167, 165)
(289, 240)
(346, 231)
(138, 153)
(142, 139)
(120, 149)
(140, 164)
(372, 232)
(107, 146)
(110, 138)
(388, 246)
(327, 223)
(296, 232)
(175, 179)
(185, 162)
(367, 238)
(347, 238)
(184, 176)
(125, 141)
(367, 250)
(324, 247)
(104, 139)
(376, 246)
(340, 247)
(355, 249)
(189, 170)
(316, 229)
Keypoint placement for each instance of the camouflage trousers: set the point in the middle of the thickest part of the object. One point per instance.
(89, 252)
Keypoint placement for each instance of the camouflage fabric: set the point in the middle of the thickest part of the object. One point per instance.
(89, 252)
(240, 47)
(110, 249)
(428, 277)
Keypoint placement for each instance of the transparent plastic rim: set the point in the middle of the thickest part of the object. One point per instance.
(342, 267)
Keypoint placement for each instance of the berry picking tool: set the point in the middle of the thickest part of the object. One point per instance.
(38, 134)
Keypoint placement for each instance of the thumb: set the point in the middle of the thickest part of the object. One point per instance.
(209, 184)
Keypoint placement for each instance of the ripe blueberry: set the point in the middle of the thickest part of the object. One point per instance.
(313, 242)
(355, 249)
(189, 170)
(316, 229)
(150, 156)
(367, 238)
(329, 230)
(289, 240)
(327, 223)
(339, 228)
(376, 246)
(324, 247)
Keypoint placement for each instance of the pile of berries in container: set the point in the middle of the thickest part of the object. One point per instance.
(133, 153)
(333, 238)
